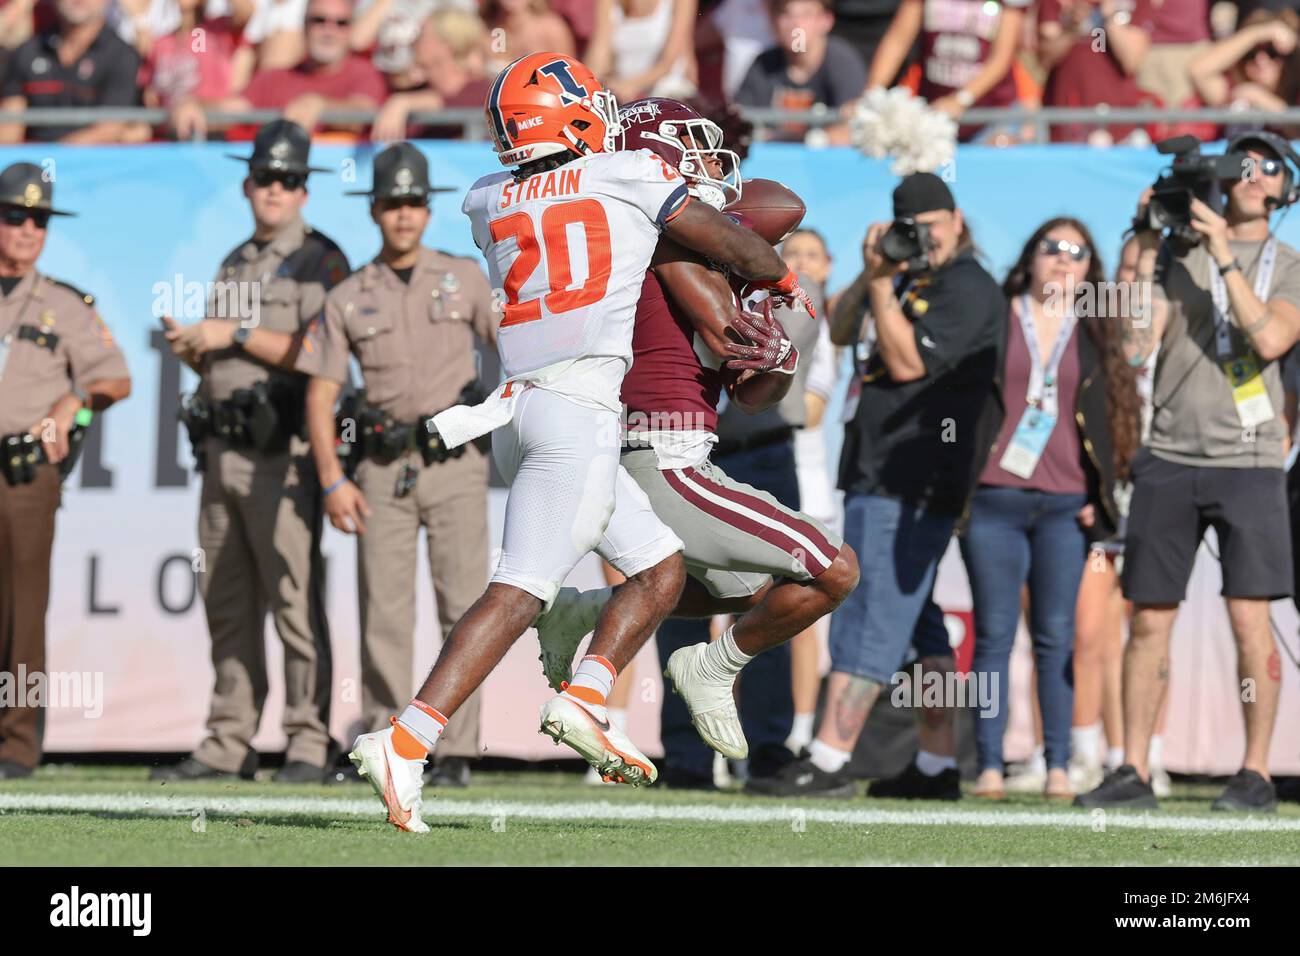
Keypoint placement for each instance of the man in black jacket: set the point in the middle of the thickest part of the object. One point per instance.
(928, 411)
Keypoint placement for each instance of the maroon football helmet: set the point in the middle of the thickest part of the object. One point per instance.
(681, 137)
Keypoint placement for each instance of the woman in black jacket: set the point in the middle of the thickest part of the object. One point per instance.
(1047, 487)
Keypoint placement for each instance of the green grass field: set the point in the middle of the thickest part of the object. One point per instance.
(105, 816)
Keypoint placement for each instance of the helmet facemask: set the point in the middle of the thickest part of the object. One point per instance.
(605, 105)
(717, 191)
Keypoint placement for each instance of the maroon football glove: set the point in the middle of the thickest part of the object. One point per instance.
(771, 349)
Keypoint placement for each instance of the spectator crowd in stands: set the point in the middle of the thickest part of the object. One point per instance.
(305, 57)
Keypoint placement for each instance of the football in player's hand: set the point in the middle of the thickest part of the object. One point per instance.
(772, 210)
(753, 392)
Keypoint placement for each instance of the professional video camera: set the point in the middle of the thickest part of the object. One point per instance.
(907, 240)
(1190, 175)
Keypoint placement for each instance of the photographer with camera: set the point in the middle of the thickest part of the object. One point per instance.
(928, 411)
(1223, 310)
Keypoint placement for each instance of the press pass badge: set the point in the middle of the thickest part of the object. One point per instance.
(1248, 391)
(1028, 443)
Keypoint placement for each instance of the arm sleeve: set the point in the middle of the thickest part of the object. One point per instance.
(92, 352)
(325, 348)
(961, 318)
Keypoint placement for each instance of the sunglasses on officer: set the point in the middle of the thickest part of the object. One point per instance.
(17, 215)
(262, 178)
(1053, 247)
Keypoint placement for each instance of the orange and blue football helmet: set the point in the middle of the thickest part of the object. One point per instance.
(544, 103)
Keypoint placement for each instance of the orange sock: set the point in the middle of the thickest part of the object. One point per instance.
(406, 745)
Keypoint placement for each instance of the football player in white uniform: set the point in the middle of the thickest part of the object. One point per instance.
(567, 236)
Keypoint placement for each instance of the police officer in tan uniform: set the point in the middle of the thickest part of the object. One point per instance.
(260, 515)
(410, 316)
(58, 366)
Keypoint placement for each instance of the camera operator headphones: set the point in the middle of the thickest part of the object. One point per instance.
(1278, 145)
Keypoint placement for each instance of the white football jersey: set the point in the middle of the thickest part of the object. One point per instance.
(569, 248)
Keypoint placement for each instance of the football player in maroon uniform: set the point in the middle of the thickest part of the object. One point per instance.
(745, 552)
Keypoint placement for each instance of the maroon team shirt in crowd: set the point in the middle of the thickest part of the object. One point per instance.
(274, 89)
(1088, 77)
(667, 374)
(956, 39)
(1182, 21)
(1060, 470)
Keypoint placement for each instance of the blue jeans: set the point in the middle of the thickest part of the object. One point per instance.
(899, 547)
(1016, 536)
(766, 699)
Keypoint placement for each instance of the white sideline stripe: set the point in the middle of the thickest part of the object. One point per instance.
(752, 515)
(597, 811)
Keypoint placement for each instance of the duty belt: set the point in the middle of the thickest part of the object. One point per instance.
(22, 453)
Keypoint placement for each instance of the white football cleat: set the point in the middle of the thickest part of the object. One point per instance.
(588, 730)
(712, 706)
(396, 779)
(560, 630)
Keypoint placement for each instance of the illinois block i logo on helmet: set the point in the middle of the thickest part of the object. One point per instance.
(546, 103)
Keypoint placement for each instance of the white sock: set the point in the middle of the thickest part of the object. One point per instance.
(1114, 757)
(933, 764)
(1085, 744)
(801, 729)
(618, 717)
(594, 673)
(423, 723)
(1156, 752)
(826, 758)
(722, 659)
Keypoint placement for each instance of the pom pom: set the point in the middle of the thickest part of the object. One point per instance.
(894, 123)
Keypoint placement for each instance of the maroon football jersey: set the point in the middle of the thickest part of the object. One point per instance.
(669, 387)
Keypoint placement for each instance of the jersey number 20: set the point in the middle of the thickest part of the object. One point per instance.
(559, 269)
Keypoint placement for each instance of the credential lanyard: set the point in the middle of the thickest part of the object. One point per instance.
(1219, 292)
(1043, 385)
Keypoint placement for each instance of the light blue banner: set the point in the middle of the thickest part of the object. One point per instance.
(150, 214)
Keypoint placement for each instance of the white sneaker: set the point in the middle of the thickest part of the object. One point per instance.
(588, 730)
(712, 707)
(1161, 785)
(1085, 777)
(1028, 777)
(396, 779)
(559, 631)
